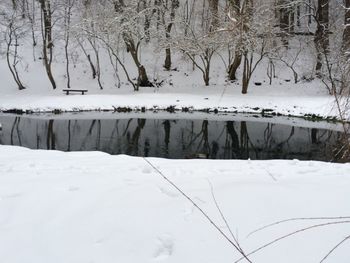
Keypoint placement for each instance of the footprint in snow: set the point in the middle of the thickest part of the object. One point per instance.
(165, 248)
(190, 209)
(168, 192)
(73, 188)
(308, 171)
(100, 241)
(147, 170)
(10, 170)
(188, 212)
(10, 196)
(130, 182)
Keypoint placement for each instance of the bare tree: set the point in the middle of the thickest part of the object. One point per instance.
(128, 21)
(167, 11)
(68, 6)
(15, 30)
(46, 26)
(290, 58)
(235, 15)
(346, 33)
(249, 36)
(199, 40)
(322, 33)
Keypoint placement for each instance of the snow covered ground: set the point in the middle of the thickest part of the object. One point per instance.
(94, 207)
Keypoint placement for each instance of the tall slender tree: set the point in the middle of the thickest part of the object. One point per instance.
(346, 32)
(46, 25)
(322, 34)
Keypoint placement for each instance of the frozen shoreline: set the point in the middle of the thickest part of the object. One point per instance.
(287, 101)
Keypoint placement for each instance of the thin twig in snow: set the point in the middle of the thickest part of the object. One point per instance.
(244, 256)
(299, 219)
(292, 234)
(334, 248)
(223, 217)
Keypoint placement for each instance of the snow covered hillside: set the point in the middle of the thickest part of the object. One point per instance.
(182, 55)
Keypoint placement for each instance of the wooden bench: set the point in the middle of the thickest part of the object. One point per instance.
(82, 91)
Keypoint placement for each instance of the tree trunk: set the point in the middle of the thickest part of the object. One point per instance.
(47, 39)
(214, 10)
(97, 57)
(14, 4)
(248, 62)
(12, 34)
(92, 66)
(167, 62)
(174, 5)
(236, 7)
(345, 86)
(322, 34)
(346, 33)
(67, 21)
(284, 22)
(235, 65)
(206, 78)
(142, 78)
(133, 47)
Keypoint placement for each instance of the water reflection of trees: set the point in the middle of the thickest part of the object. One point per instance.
(177, 138)
(15, 127)
(51, 137)
(134, 140)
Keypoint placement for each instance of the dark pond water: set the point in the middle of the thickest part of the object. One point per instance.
(172, 136)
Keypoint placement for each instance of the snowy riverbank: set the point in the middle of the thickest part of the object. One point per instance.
(93, 207)
(287, 99)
